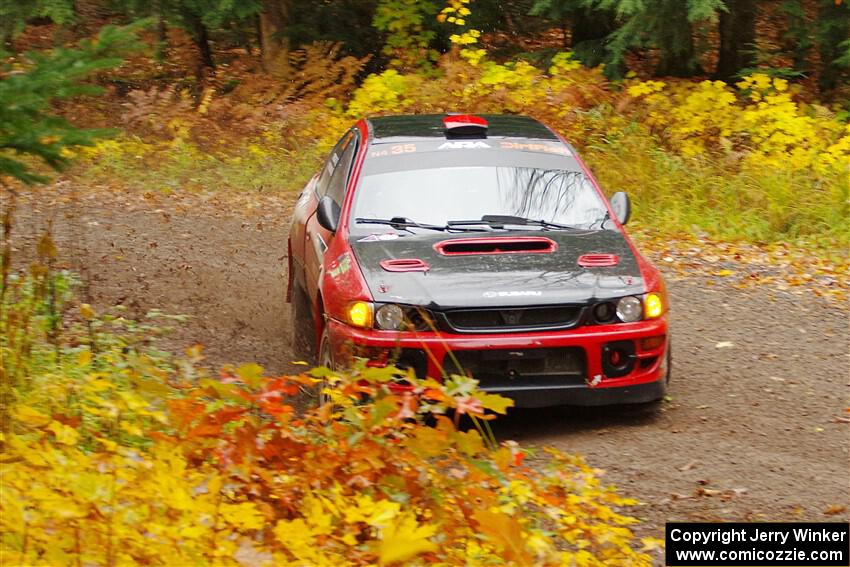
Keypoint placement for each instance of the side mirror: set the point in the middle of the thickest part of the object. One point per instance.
(328, 214)
(622, 206)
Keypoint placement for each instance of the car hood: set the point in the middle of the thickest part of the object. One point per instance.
(497, 279)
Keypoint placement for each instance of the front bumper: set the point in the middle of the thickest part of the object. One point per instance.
(584, 383)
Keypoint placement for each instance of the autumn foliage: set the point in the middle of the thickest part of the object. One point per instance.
(756, 160)
(114, 454)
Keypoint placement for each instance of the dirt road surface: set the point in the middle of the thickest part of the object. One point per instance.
(755, 428)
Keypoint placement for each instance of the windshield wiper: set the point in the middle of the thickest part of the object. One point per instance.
(405, 223)
(601, 221)
(499, 221)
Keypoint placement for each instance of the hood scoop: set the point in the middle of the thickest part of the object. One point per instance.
(496, 245)
(405, 265)
(598, 260)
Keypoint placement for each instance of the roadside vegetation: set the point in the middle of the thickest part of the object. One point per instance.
(114, 452)
(757, 157)
(749, 160)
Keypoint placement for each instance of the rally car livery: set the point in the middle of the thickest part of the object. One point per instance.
(478, 245)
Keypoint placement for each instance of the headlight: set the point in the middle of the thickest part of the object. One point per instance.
(605, 312)
(389, 317)
(653, 306)
(629, 309)
(360, 314)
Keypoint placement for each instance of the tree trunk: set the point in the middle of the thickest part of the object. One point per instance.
(203, 41)
(274, 47)
(588, 33)
(566, 35)
(797, 39)
(590, 25)
(200, 35)
(737, 39)
(833, 28)
(676, 42)
(161, 32)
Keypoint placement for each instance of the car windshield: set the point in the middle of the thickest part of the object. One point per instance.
(438, 196)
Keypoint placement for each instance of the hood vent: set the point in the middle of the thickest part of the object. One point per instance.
(496, 245)
(405, 265)
(598, 260)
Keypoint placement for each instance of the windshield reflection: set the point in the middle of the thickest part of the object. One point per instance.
(438, 195)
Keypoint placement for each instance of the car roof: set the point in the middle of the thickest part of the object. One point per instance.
(414, 127)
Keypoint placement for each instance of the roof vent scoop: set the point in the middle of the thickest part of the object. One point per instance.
(465, 126)
(496, 245)
(405, 265)
(598, 260)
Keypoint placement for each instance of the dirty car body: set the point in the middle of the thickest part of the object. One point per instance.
(478, 245)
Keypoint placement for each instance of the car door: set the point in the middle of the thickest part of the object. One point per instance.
(332, 183)
(304, 208)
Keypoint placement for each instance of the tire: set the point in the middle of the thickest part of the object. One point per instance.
(303, 344)
(325, 358)
(303, 335)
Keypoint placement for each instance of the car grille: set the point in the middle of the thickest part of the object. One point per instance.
(516, 319)
(518, 368)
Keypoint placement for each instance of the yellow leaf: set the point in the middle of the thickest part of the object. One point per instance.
(494, 402)
(193, 531)
(724, 273)
(64, 434)
(251, 374)
(110, 446)
(652, 544)
(86, 311)
(470, 442)
(505, 532)
(46, 247)
(404, 540)
(427, 442)
(84, 358)
(194, 353)
(131, 429)
(244, 515)
(31, 416)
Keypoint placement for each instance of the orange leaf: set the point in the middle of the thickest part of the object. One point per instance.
(506, 533)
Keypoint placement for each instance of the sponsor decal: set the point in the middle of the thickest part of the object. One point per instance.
(393, 150)
(464, 145)
(379, 237)
(536, 147)
(340, 266)
(491, 294)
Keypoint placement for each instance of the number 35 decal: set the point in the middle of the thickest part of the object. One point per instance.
(403, 149)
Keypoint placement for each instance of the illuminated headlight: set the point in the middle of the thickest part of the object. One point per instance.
(653, 306)
(360, 314)
(389, 317)
(629, 309)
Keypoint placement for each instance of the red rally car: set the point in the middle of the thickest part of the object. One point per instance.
(479, 245)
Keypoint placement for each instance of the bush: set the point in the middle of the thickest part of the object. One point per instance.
(752, 161)
(116, 454)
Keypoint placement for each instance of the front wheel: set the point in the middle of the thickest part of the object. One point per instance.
(326, 359)
(302, 340)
